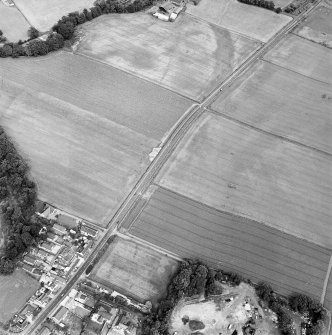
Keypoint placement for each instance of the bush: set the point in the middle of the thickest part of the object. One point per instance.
(66, 29)
(33, 33)
(37, 48)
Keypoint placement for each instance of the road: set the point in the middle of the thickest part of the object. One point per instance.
(170, 144)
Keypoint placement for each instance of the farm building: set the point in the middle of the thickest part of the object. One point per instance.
(169, 11)
(59, 230)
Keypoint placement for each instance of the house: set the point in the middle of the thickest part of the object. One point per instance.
(28, 312)
(52, 248)
(81, 311)
(67, 221)
(88, 231)
(59, 230)
(161, 16)
(28, 268)
(59, 314)
(28, 259)
(66, 256)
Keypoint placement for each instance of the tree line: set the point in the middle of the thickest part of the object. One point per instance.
(262, 3)
(18, 194)
(64, 29)
(194, 278)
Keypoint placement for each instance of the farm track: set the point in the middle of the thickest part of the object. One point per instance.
(170, 144)
(191, 229)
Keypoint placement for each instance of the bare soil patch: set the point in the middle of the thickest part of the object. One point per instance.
(135, 270)
(252, 21)
(188, 56)
(237, 169)
(13, 23)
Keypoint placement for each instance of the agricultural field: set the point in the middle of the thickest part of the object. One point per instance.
(254, 22)
(15, 290)
(134, 270)
(85, 129)
(44, 14)
(13, 24)
(303, 56)
(281, 102)
(237, 169)
(317, 27)
(188, 56)
(193, 230)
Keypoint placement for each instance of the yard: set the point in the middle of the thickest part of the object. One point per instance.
(188, 56)
(15, 290)
(13, 24)
(85, 128)
(44, 14)
(282, 102)
(237, 169)
(251, 21)
(134, 270)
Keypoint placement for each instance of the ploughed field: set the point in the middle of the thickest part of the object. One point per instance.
(13, 24)
(237, 169)
(134, 270)
(254, 22)
(303, 56)
(317, 27)
(281, 102)
(15, 290)
(44, 14)
(86, 129)
(191, 229)
(189, 56)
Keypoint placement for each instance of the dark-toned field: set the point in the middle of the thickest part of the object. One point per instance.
(135, 270)
(303, 56)
(86, 129)
(189, 56)
(281, 102)
(244, 171)
(191, 229)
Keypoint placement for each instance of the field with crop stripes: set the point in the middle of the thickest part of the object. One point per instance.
(259, 252)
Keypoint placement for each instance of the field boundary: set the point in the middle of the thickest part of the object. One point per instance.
(282, 138)
(326, 281)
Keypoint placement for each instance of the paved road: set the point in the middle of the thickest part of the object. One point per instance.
(171, 142)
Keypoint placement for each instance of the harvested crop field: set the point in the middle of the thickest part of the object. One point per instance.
(15, 290)
(86, 129)
(281, 102)
(188, 56)
(237, 169)
(252, 21)
(317, 27)
(135, 270)
(191, 229)
(13, 24)
(44, 14)
(302, 56)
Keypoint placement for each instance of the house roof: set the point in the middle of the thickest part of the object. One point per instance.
(81, 311)
(60, 313)
(27, 267)
(29, 259)
(167, 7)
(59, 228)
(67, 221)
(88, 230)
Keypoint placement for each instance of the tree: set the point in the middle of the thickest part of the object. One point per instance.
(36, 48)
(33, 33)
(7, 266)
(66, 30)
(55, 41)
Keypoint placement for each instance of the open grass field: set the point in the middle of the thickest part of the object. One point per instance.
(303, 56)
(252, 21)
(44, 14)
(15, 290)
(13, 24)
(317, 26)
(237, 169)
(188, 56)
(85, 129)
(135, 270)
(191, 229)
(281, 102)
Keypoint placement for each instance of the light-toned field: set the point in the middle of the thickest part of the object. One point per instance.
(44, 14)
(256, 251)
(252, 21)
(135, 270)
(13, 24)
(85, 128)
(15, 290)
(281, 102)
(303, 56)
(234, 168)
(188, 56)
(317, 26)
